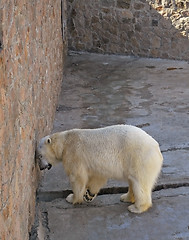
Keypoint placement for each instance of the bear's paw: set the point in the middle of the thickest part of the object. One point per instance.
(89, 197)
(69, 198)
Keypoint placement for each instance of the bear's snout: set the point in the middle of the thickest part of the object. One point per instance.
(43, 164)
(43, 167)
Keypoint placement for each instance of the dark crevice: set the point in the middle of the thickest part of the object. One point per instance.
(52, 195)
(45, 223)
(1, 29)
(41, 225)
(33, 234)
(170, 186)
(62, 19)
(175, 149)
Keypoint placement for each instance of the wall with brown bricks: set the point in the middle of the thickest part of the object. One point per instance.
(149, 28)
(31, 60)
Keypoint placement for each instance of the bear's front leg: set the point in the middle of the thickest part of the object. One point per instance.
(79, 188)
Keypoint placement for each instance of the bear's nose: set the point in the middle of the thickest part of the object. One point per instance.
(49, 166)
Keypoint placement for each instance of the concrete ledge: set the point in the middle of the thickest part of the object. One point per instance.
(108, 218)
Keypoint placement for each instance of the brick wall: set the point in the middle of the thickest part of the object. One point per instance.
(149, 28)
(31, 60)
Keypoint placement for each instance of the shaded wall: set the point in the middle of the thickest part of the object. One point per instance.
(157, 28)
(31, 60)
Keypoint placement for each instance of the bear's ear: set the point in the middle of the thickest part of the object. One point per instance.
(48, 141)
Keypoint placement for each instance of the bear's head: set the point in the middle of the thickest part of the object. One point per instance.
(45, 153)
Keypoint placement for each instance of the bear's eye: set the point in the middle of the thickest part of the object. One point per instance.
(40, 156)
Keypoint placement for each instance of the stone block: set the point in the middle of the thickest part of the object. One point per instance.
(125, 14)
(94, 19)
(155, 23)
(155, 42)
(123, 4)
(138, 27)
(107, 3)
(138, 6)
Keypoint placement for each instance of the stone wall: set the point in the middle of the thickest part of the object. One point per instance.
(157, 28)
(31, 60)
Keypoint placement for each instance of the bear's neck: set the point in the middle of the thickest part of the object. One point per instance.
(58, 151)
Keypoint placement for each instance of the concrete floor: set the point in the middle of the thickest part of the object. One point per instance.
(101, 90)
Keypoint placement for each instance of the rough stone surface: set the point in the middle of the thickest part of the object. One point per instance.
(108, 218)
(100, 90)
(31, 59)
(140, 28)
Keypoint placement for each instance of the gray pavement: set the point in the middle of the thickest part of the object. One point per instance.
(108, 218)
(101, 90)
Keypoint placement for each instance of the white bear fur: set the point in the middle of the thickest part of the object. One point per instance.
(92, 156)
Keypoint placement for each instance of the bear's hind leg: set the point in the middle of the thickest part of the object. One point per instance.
(129, 196)
(142, 195)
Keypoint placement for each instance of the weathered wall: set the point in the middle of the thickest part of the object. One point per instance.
(31, 60)
(157, 28)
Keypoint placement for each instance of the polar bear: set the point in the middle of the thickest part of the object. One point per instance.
(92, 156)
